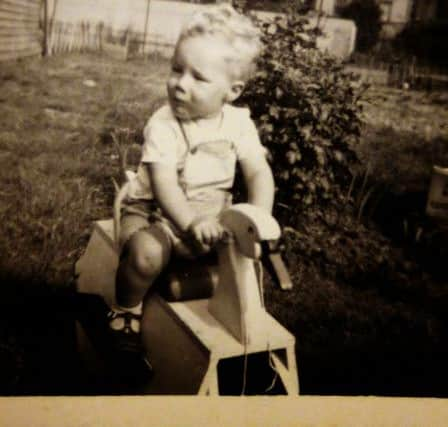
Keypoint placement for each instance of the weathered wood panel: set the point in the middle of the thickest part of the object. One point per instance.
(10, 11)
(20, 53)
(18, 44)
(23, 3)
(21, 28)
(8, 33)
(17, 16)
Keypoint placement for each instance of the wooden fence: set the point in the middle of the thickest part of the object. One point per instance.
(121, 27)
(74, 37)
(21, 28)
(66, 37)
(418, 76)
(144, 26)
(407, 71)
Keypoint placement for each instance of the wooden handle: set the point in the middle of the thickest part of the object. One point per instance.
(274, 264)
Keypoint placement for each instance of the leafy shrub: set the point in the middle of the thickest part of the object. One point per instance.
(367, 16)
(308, 114)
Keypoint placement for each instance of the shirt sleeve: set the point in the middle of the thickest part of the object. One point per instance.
(249, 144)
(160, 143)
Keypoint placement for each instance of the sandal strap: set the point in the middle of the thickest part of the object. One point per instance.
(125, 314)
(127, 317)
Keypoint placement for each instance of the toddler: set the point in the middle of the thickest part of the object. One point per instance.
(191, 146)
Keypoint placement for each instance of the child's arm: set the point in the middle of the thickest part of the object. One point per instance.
(259, 181)
(169, 195)
(172, 200)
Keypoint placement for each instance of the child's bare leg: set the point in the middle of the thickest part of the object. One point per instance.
(147, 254)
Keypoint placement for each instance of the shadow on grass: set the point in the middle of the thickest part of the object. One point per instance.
(38, 356)
(37, 326)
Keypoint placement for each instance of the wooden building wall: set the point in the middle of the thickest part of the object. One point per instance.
(21, 32)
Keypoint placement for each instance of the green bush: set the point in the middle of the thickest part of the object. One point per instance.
(308, 113)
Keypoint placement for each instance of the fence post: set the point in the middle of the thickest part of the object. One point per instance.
(83, 36)
(45, 43)
(127, 45)
(100, 36)
(87, 47)
(412, 71)
(145, 32)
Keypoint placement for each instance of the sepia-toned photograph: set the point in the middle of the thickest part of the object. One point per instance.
(224, 198)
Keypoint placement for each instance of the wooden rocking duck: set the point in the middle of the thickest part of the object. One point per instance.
(185, 340)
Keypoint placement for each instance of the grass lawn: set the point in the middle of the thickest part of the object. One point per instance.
(57, 161)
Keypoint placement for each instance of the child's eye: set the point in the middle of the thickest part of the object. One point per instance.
(200, 77)
(176, 69)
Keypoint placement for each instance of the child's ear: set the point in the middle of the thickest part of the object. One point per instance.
(235, 90)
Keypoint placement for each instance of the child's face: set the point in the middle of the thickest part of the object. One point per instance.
(200, 81)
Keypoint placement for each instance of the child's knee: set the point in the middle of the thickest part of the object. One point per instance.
(148, 252)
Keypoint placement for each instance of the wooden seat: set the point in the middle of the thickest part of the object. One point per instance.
(96, 270)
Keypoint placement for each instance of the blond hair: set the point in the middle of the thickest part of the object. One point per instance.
(236, 30)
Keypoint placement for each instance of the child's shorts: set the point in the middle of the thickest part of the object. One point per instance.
(137, 215)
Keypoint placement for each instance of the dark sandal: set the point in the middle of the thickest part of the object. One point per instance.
(125, 339)
(128, 358)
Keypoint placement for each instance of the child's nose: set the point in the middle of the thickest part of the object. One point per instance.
(183, 82)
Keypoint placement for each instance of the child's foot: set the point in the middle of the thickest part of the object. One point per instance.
(129, 355)
(125, 330)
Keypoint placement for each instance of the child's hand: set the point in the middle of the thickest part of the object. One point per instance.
(206, 231)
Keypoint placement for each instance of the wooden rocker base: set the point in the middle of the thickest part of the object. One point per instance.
(185, 345)
(183, 341)
(220, 344)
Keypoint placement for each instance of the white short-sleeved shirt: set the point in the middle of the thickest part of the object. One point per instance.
(206, 162)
